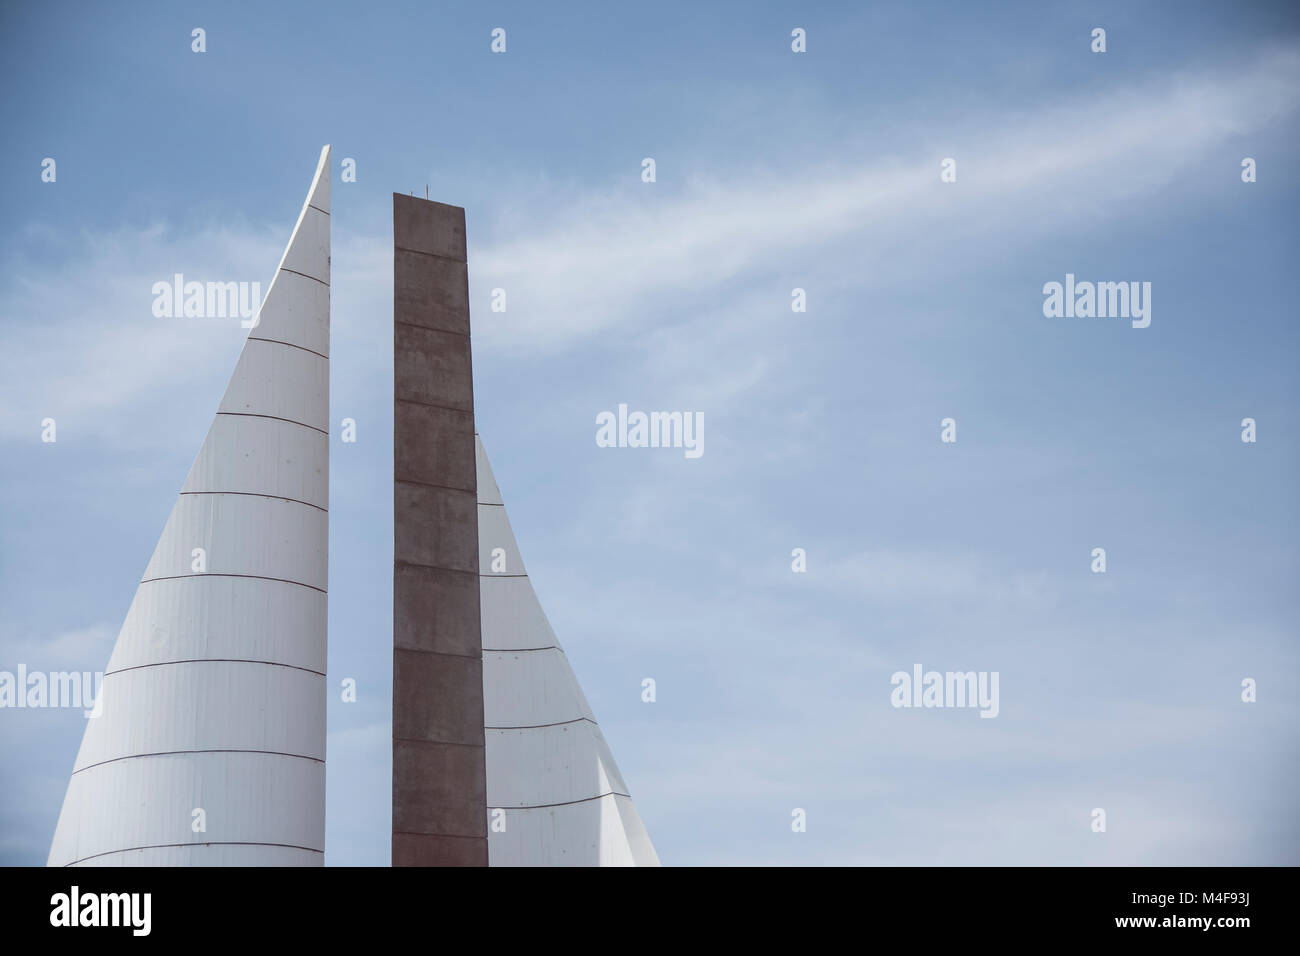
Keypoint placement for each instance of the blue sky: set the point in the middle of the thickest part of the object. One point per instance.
(775, 170)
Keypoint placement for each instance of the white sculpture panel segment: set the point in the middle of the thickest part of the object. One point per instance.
(263, 456)
(309, 250)
(213, 617)
(206, 705)
(531, 689)
(511, 616)
(498, 554)
(243, 535)
(151, 802)
(279, 381)
(603, 832)
(295, 310)
(542, 766)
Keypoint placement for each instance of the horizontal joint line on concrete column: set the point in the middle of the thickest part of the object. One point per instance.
(274, 418)
(416, 401)
(443, 836)
(213, 660)
(168, 846)
(428, 328)
(430, 484)
(177, 753)
(318, 208)
(432, 255)
(440, 743)
(558, 723)
(423, 650)
(567, 803)
(501, 574)
(229, 574)
(305, 276)
(258, 338)
(432, 567)
(259, 494)
(493, 504)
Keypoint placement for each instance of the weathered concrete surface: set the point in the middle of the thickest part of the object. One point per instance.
(432, 367)
(432, 611)
(439, 775)
(431, 291)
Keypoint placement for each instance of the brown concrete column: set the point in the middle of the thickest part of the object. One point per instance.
(439, 775)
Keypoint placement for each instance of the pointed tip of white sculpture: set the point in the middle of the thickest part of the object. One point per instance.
(306, 256)
(319, 194)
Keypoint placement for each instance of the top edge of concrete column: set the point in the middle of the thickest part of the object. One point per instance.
(433, 228)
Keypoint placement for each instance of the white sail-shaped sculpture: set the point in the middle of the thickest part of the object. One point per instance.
(548, 766)
(209, 748)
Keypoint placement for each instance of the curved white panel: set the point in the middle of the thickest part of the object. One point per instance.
(280, 381)
(244, 534)
(211, 854)
(603, 832)
(494, 533)
(296, 310)
(263, 456)
(204, 705)
(549, 765)
(530, 689)
(222, 618)
(511, 615)
(189, 696)
(150, 801)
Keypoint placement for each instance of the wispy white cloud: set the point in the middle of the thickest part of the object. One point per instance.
(620, 258)
(81, 339)
(893, 577)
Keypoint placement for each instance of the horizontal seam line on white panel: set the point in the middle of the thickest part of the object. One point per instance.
(213, 660)
(431, 255)
(568, 803)
(493, 504)
(168, 846)
(305, 276)
(511, 650)
(258, 338)
(180, 753)
(430, 484)
(416, 401)
(501, 574)
(231, 574)
(259, 494)
(318, 208)
(276, 418)
(558, 723)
